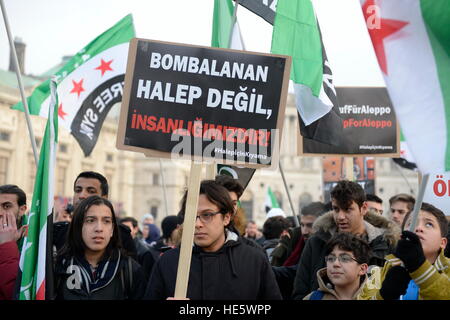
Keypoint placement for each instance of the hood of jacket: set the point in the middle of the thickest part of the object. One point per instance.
(327, 287)
(231, 240)
(376, 225)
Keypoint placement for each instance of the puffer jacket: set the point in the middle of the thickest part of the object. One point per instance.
(327, 288)
(433, 280)
(382, 237)
(234, 272)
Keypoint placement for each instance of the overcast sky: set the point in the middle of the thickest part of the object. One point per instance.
(54, 28)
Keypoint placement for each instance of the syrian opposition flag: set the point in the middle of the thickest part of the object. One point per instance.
(271, 201)
(226, 32)
(296, 33)
(36, 250)
(411, 39)
(88, 85)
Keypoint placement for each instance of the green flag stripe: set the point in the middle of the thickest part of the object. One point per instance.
(121, 32)
(295, 33)
(222, 22)
(436, 16)
(40, 206)
(273, 199)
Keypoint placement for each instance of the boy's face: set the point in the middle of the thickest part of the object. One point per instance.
(306, 225)
(399, 209)
(429, 233)
(85, 188)
(349, 220)
(344, 274)
(209, 225)
(9, 204)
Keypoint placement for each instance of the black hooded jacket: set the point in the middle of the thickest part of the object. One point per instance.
(234, 272)
(382, 234)
(121, 280)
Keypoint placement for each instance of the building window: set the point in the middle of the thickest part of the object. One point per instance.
(61, 180)
(156, 179)
(3, 170)
(63, 148)
(5, 136)
(306, 163)
(154, 211)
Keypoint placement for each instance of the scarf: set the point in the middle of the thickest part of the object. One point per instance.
(92, 279)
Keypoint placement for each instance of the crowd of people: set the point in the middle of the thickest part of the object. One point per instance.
(343, 250)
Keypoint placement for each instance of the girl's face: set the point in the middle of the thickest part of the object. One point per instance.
(97, 228)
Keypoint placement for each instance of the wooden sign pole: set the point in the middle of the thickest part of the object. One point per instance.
(419, 200)
(190, 216)
(211, 170)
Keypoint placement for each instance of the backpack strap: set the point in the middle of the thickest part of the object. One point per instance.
(126, 277)
(130, 274)
(316, 295)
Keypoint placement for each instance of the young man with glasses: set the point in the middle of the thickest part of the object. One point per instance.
(222, 267)
(349, 214)
(347, 258)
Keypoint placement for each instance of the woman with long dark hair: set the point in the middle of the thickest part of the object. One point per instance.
(91, 265)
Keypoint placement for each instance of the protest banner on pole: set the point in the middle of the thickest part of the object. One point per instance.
(369, 126)
(194, 102)
(202, 104)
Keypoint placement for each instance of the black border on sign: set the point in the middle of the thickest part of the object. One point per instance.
(159, 154)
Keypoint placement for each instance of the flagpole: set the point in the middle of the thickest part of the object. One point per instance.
(288, 194)
(419, 200)
(164, 187)
(19, 79)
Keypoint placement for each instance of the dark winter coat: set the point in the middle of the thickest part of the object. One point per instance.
(382, 234)
(234, 272)
(122, 280)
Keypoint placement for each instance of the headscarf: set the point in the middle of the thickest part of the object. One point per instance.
(153, 233)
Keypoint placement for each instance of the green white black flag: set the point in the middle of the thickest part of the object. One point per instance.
(88, 85)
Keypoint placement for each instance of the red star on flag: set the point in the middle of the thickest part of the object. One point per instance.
(61, 112)
(104, 66)
(77, 87)
(387, 27)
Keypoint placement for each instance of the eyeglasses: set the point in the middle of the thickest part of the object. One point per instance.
(343, 258)
(206, 217)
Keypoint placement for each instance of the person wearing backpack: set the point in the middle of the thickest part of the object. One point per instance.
(91, 265)
(347, 258)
